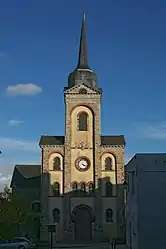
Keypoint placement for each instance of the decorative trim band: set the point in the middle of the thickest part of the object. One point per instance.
(112, 146)
(51, 146)
(85, 94)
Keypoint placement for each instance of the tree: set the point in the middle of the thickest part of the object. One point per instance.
(7, 193)
(18, 218)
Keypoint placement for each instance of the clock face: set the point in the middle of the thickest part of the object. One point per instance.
(82, 164)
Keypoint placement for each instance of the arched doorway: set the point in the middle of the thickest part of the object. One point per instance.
(83, 217)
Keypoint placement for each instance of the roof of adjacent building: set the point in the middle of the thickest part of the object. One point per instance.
(29, 171)
(59, 140)
(149, 156)
(26, 176)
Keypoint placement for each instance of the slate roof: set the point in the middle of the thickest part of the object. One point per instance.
(26, 176)
(113, 140)
(29, 171)
(59, 140)
(52, 140)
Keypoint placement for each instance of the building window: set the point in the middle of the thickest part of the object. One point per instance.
(91, 187)
(56, 163)
(82, 121)
(56, 215)
(74, 186)
(56, 189)
(109, 215)
(35, 206)
(83, 187)
(109, 189)
(108, 164)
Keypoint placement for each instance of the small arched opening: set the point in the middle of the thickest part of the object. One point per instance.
(109, 215)
(82, 121)
(56, 189)
(56, 215)
(56, 163)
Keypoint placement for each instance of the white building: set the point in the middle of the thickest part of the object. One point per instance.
(146, 202)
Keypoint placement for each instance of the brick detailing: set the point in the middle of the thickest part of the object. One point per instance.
(67, 169)
(45, 182)
(118, 152)
(92, 102)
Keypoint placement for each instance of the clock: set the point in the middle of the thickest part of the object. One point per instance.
(82, 164)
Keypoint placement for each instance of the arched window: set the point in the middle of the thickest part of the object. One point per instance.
(56, 189)
(83, 187)
(56, 215)
(91, 187)
(109, 215)
(36, 206)
(108, 163)
(109, 189)
(56, 163)
(74, 186)
(82, 121)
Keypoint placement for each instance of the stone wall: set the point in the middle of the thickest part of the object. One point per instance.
(92, 101)
(118, 152)
(45, 183)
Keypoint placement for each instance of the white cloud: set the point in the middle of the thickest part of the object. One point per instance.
(18, 145)
(14, 122)
(21, 155)
(6, 171)
(5, 179)
(152, 130)
(23, 89)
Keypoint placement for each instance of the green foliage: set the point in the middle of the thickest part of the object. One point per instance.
(16, 219)
(7, 192)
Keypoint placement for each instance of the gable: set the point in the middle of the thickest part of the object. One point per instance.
(26, 176)
(76, 89)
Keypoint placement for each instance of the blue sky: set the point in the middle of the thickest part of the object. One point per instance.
(38, 49)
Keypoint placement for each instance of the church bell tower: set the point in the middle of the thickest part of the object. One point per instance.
(82, 172)
(82, 126)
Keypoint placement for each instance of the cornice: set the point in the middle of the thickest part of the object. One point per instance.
(51, 146)
(112, 146)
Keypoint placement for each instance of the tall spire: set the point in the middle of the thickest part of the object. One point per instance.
(82, 73)
(83, 53)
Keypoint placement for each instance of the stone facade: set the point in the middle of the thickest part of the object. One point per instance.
(45, 183)
(91, 101)
(96, 152)
(90, 173)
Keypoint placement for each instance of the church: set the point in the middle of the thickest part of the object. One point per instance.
(82, 172)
